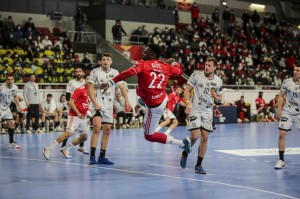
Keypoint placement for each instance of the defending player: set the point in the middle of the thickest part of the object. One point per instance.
(207, 89)
(103, 105)
(289, 113)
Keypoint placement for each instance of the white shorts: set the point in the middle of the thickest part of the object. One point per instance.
(286, 121)
(78, 125)
(200, 121)
(6, 114)
(105, 114)
(153, 116)
(169, 114)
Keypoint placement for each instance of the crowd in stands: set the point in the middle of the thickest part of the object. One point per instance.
(255, 52)
(26, 49)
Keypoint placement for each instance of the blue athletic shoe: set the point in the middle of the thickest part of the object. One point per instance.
(93, 161)
(105, 161)
(187, 145)
(199, 169)
(182, 161)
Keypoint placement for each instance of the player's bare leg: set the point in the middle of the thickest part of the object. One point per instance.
(281, 146)
(104, 142)
(94, 138)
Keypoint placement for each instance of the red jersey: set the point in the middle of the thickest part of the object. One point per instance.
(173, 100)
(82, 101)
(260, 103)
(152, 79)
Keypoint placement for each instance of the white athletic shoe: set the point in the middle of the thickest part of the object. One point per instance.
(39, 131)
(65, 153)
(13, 145)
(58, 129)
(83, 150)
(279, 165)
(3, 131)
(124, 126)
(44, 129)
(18, 130)
(47, 152)
(28, 131)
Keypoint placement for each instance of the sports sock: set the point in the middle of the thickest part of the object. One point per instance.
(93, 151)
(56, 124)
(64, 143)
(157, 128)
(81, 144)
(102, 153)
(53, 145)
(281, 155)
(11, 135)
(185, 154)
(199, 161)
(168, 131)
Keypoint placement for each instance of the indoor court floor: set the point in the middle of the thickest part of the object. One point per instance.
(239, 162)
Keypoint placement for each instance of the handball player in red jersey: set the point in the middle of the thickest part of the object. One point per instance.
(153, 75)
(77, 122)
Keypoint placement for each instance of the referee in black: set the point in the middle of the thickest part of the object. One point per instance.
(32, 99)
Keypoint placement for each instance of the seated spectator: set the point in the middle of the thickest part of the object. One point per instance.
(263, 110)
(49, 112)
(119, 108)
(62, 109)
(273, 105)
(47, 42)
(241, 110)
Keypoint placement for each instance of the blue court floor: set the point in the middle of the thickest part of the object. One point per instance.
(239, 164)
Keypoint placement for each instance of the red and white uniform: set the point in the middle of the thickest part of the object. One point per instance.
(82, 103)
(260, 103)
(152, 80)
(173, 100)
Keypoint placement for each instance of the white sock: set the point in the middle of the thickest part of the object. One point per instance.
(172, 140)
(53, 145)
(168, 131)
(157, 129)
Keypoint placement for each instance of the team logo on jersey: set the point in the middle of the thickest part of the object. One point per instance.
(200, 85)
(213, 84)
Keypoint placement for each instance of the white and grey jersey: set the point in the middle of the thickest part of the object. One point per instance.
(292, 96)
(202, 101)
(7, 95)
(62, 105)
(73, 84)
(99, 76)
(31, 93)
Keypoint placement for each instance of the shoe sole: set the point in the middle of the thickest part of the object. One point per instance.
(44, 154)
(203, 173)
(277, 168)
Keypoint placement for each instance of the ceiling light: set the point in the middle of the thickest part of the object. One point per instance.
(257, 6)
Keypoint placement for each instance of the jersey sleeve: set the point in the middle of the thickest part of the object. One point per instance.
(192, 80)
(93, 77)
(284, 86)
(69, 88)
(175, 69)
(77, 93)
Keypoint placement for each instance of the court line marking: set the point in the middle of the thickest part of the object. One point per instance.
(159, 175)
